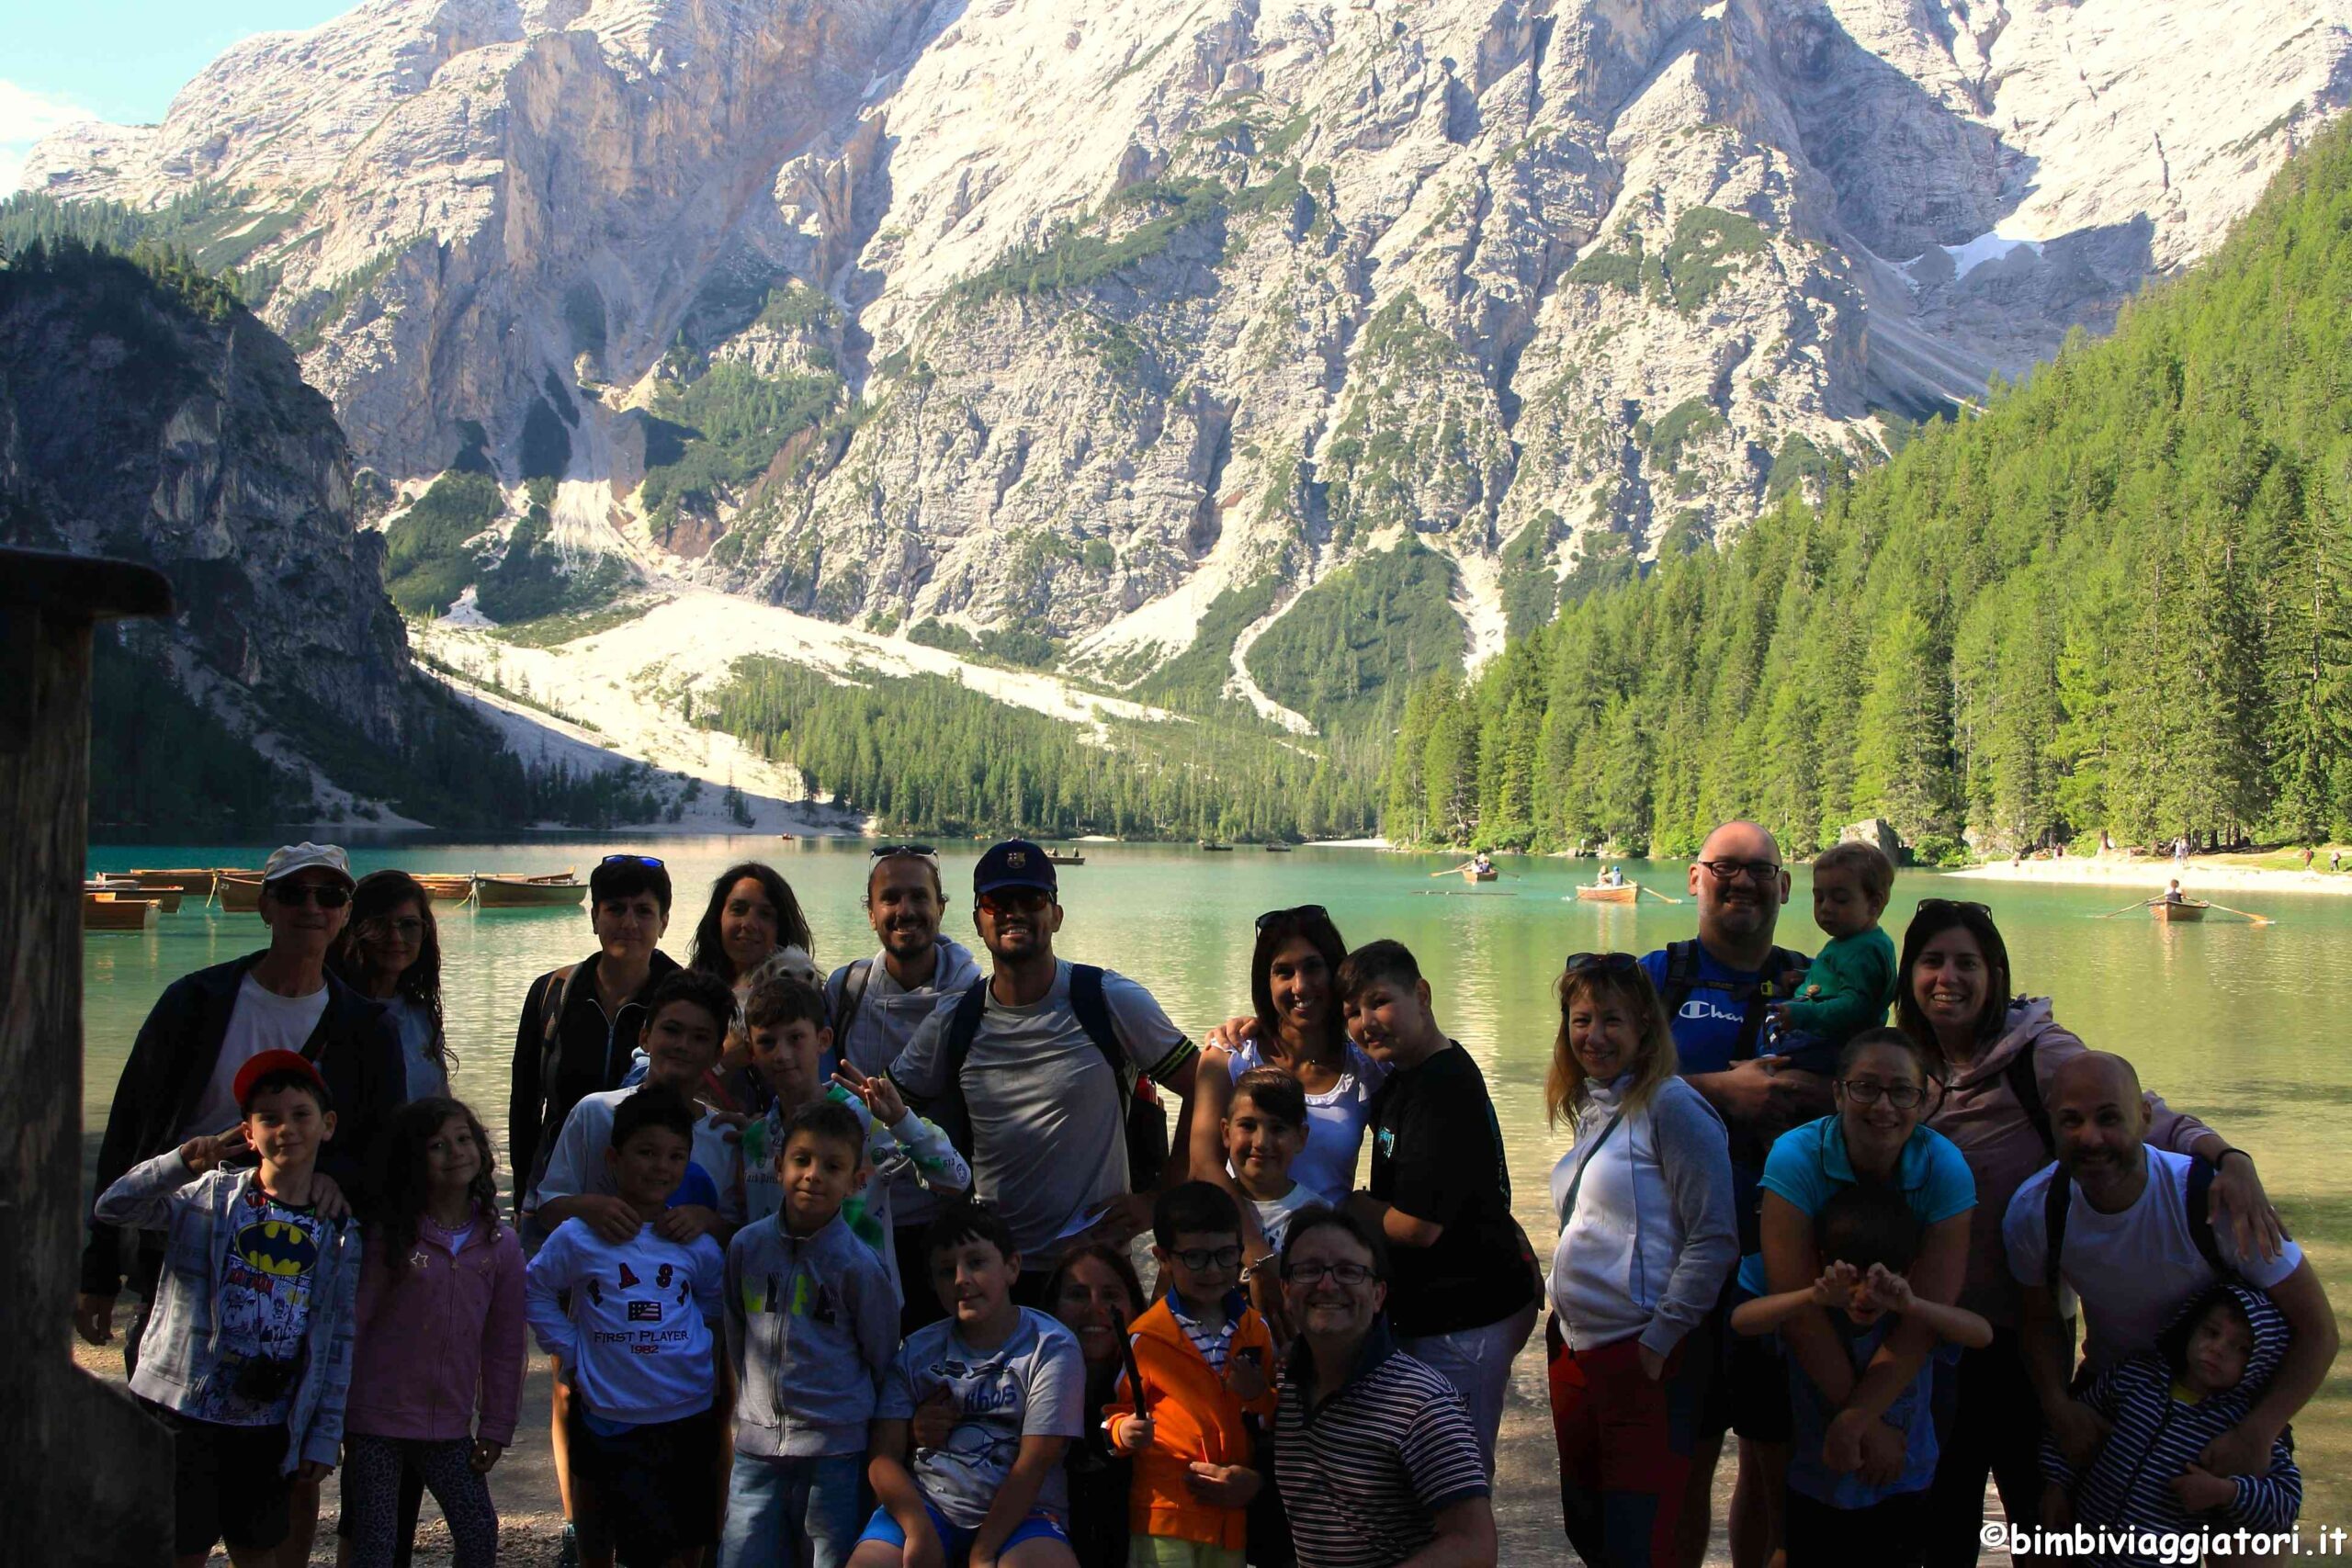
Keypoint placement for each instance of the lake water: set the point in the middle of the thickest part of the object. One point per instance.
(2244, 1025)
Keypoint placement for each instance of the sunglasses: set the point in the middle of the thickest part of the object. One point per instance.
(1602, 963)
(1296, 912)
(892, 852)
(634, 860)
(1937, 906)
(1015, 899)
(327, 896)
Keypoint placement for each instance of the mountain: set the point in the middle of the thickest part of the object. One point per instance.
(1164, 343)
(2120, 601)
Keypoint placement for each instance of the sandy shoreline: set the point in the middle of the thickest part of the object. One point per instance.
(2201, 874)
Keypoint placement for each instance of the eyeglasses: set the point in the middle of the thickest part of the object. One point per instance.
(1863, 1091)
(294, 895)
(1732, 870)
(892, 852)
(1937, 906)
(1316, 1274)
(405, 925)
(1296, 912)
(1199, 1257)
(634, 860)
(1602, 962)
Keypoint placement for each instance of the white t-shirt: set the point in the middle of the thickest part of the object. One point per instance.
(2133, 1270)
(637, 1340)
(261, 1021)
(1274, 1213)
(577, 1167)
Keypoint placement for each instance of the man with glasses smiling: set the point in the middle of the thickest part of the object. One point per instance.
(179, 1083)
(1033, 1072)
(1717, 990)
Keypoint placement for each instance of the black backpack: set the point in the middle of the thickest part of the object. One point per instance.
(2199, 1200)
(1682, 978)
(1145, 1120)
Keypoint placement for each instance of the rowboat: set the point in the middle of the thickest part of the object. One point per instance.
(444, 889)
(239, 891)
(1216, 849)
(527, 892)
(1278, 849)
(1472, 873)
(2179, 910)
(165, 899)
(1057, 857)
(105, 912)
(186, 879)
(1623, 893)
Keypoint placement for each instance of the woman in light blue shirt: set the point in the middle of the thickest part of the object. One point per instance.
(391, 952)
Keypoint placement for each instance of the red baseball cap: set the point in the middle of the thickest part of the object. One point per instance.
(270, 1062)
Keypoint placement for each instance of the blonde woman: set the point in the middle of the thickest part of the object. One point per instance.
(1646, 1241)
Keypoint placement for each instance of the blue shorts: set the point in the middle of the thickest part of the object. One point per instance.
(1036, 1525)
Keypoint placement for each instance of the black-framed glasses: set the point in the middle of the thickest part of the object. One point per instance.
(1865, 1092)
(1200, 1258)
(1315, 1273)
(1295, 912)
(1732, 870)
(294, 895)
(634, 860)
(891, 851)
(1937, 906)
(1602, 963)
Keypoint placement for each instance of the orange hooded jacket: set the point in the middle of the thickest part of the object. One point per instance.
(1195, 1415)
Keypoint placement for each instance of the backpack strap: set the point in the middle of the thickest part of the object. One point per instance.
(1681, 975)
(845, 1010)
(1141, 1115)
(2026, 1084)
(2201, 1218)
(1682, 978)
(963, 1027)
(1093, 1011)
(2054, 1204)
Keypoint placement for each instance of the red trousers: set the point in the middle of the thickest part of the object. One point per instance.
(1626, 1446)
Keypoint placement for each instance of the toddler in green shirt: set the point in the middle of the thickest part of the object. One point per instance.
(1851, 982)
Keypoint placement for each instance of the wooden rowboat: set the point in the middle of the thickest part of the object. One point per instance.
(2180, 910)
(105, 912)
(1472, 873)
(1623, 893)
(165, 899)
(1216, 849)
(1057, 857)
(239, 891)
(527, 892)
(197, 880)
(447, 890)
(1278, 849)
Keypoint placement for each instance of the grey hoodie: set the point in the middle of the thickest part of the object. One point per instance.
(812, 1325)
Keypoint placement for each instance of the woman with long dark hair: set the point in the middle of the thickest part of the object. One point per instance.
(1297, 1027)
(1095, 1294)
(1997, 1052)
(391, 952)
(752, 913)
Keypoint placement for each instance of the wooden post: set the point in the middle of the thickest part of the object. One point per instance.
(95, 1474)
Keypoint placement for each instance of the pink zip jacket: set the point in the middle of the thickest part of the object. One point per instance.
(439, 1326)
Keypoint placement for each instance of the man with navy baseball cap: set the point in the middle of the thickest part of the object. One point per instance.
(1034, 1069)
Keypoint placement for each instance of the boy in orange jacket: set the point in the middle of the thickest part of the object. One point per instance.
(1198, 1368)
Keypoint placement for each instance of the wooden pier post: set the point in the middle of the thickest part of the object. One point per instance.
(90, 1475)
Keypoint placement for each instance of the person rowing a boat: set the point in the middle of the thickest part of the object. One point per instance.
(2173, 894)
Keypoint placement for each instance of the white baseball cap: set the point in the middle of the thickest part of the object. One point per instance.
(288, 859)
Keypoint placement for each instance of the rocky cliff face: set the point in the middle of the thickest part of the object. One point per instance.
(1066, 320)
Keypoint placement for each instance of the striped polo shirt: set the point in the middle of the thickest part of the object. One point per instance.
(1365, 1472)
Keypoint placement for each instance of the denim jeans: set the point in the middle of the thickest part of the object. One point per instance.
(775, 1504)
(1476, 1361)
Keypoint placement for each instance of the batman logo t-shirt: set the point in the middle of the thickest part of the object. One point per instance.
(264, 1304)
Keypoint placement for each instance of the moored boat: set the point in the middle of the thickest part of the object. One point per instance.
(239, 891)
(2189, 909)
(446, 890)
(107, 912)
(527, 892)
(1623, 893)
(165, 899)
(1215, 848)
(197, 880)
(1278, 849)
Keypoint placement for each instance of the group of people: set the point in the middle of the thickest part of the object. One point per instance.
(842, 1271)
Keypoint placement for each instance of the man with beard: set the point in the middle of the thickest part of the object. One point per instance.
(2133, 1234)
(1033, 1071)
(1718, 991)
(878, 1003)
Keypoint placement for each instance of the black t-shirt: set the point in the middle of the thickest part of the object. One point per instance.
(1437, 1154)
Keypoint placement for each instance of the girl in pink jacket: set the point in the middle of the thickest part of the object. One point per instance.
(440, 1336)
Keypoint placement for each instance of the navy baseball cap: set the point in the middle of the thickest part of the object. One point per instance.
(1015, 862)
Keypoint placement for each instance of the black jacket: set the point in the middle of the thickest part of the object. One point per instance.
(585, 1053)
(355, 1045)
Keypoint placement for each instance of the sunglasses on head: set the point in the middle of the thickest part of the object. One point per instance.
(294, 895)
(1295, 912)
(891, 851)
(1937, 906)
(634, 860)
(1602, 963)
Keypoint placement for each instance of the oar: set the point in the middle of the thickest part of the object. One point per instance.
(1656, 894)
(2257, 919)
(2125, 910)
(1452, 869)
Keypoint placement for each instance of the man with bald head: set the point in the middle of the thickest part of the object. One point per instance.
(1717, 990)
(2135, 1242)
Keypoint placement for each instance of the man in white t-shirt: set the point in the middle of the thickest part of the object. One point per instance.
(177, 1083)
(2134, 1248)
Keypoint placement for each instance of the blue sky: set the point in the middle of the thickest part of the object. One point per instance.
(117, 59)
